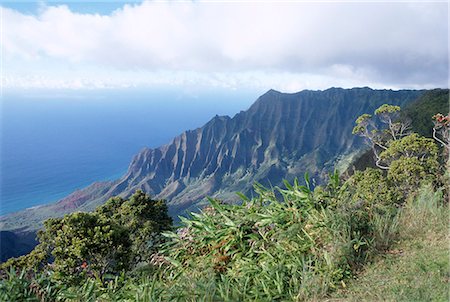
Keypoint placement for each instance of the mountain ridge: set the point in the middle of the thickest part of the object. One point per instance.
(281, 135)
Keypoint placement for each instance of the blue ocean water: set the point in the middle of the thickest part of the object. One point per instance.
(54, 142)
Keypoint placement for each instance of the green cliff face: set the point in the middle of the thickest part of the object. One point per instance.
(280, 136)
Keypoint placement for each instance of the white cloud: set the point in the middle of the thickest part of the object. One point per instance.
(230, 43)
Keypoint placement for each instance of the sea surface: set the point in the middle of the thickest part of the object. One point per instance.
(55, 142)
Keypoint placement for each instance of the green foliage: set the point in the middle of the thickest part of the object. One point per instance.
(371, 191)
(416, 266)
(386, 109)
(266, 249)
(87, 242)
(94, 290)
(116, 237)
(35, 260)
(16, 287)
(286, 244)
(378, 137)
(362, 123)
(421, 110)
(419, 113)
(412, 146)
(143, 218)
(27, 286)
(363, 118)
(410, 159)
(374, 202)
(413, 160)
(409, 173)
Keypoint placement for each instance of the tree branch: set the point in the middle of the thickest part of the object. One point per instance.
(438, 139)
(378, 161)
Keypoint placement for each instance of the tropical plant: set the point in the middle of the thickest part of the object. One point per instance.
(284, 244)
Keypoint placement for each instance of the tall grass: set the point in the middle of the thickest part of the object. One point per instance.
(290, 244)
(416, 267)
(425, 214)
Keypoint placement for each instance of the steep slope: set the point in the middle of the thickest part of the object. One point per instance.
(279, 137)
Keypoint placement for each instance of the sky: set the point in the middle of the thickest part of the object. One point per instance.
(284, 45)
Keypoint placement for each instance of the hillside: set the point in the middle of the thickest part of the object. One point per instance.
(375, 235)
(279, 137)
(428, 104)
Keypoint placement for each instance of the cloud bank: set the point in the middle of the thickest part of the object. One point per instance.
(291, 44)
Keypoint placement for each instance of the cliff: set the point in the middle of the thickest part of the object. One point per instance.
(280, 136)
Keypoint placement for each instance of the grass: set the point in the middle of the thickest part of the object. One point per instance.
(416, 267)
(267, 250)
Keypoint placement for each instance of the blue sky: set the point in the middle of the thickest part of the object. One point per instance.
(285, 45)
(103, 7)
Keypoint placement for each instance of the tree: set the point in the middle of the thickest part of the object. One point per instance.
(413, 160)
(379, 139)
(441, 133)
(371, 191)
(409, 158)
(113, 238)
(144, 219)
(86, 242)
(369, 196)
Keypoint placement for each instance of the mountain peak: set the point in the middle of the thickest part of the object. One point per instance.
(271, 90)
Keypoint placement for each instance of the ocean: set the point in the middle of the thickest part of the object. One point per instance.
(55, 142)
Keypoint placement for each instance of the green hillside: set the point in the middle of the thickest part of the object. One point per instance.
(380, 234)
(419, 112)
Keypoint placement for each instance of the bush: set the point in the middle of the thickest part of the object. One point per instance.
(266, 249)
(87, 243)
(116, 237)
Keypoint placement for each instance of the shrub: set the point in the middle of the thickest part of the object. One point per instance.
(266, 249)
(87, 243)
(116, 237)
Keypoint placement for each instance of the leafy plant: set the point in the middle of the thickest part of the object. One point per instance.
(116, 237)
(27, 286)
(298, 247)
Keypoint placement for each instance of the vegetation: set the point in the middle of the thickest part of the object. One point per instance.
(286, 244)
(420, 111)
(416, 266)
(418, 114)
(114, 238)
